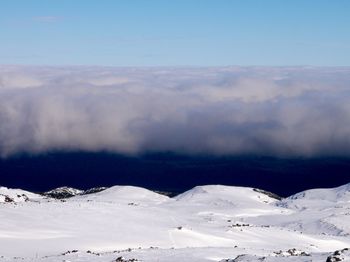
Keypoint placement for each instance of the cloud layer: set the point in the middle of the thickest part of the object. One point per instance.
(279, 111)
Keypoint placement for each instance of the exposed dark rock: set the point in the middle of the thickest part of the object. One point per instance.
(166, 193)
(63, 192)
(339, 255)
(94, 190)
(9, 199)
(270, 194)
(122, 259)
(67, 192)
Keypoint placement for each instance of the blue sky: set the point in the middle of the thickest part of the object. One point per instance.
(175, 33)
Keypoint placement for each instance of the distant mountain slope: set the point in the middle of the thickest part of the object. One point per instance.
(63, 192)
(237, 195)
(206, 223)
(8, 195)
(341, 193)
(125, 194)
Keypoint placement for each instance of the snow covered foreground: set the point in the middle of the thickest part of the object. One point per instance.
(207, 223)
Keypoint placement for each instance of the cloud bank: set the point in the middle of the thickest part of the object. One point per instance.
(277, 111)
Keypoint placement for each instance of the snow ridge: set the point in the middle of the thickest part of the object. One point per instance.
(206, 223)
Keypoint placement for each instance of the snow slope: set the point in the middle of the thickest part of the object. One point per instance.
(206, 223)
(8, 195)
(124, 194)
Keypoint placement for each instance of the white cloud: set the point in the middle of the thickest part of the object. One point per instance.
(230, 110)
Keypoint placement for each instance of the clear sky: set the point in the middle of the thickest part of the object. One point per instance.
(175, 33)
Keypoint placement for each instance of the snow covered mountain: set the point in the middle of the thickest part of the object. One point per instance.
(8, 195)
(206, 223)
(63, 192)
(66, 192)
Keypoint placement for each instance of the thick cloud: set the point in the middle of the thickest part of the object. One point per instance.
(283, 111)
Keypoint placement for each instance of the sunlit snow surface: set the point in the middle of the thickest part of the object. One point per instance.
(207, 223)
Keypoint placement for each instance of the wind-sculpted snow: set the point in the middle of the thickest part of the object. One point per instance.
(278, 111)
(207, 223)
